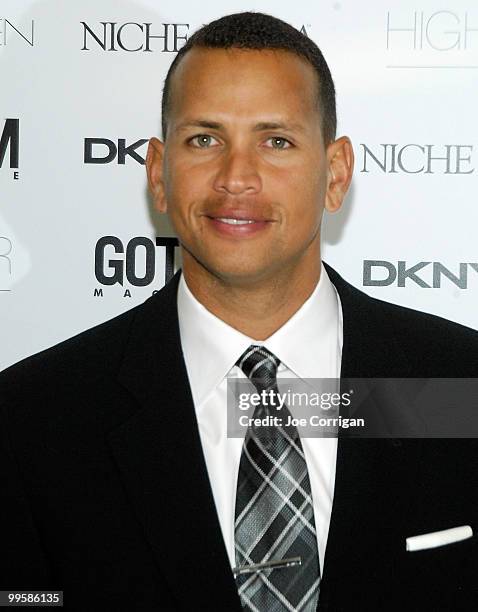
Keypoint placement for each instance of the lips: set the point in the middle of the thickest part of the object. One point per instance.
(237, 223)
(238, 214)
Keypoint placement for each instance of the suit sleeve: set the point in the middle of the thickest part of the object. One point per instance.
(22, 562)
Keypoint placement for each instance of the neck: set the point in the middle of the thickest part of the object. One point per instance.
(270, 302)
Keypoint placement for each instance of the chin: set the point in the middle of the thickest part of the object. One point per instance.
(242, 276)
(234, 269)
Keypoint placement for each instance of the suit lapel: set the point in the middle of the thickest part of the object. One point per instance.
(368, 508)
(158, 451)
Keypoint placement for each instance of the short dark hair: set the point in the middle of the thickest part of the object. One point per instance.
(259, 31)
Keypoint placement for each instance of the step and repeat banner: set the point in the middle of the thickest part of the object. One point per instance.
(80, 93)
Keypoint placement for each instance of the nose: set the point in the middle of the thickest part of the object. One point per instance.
(238, 173)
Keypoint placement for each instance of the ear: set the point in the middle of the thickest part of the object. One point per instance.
(340, 160)
(154, 170)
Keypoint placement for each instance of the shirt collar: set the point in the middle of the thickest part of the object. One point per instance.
(211, 347)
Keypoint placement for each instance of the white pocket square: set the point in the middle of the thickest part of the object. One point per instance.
(438, 538)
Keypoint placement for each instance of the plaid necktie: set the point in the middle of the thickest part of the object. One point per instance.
(274, 518)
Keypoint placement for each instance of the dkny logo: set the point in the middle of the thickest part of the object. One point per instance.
(380, 273)
(105, 151)
(133, 36)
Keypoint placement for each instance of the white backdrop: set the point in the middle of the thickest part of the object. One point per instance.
(407, 79)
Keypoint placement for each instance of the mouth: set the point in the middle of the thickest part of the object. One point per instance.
(237, 223)
(234, 221)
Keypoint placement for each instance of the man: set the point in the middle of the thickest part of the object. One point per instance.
(120, 485)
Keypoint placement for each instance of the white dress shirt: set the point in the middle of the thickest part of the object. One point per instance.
(309, 345)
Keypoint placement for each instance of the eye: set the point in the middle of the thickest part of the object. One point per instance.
(202, 141)
(277, 142)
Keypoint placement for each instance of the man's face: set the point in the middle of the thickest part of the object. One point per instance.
(245, 173)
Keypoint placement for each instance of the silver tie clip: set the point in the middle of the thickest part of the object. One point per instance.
(257, 567)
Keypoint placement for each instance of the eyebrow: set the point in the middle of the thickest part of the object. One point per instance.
(259, 127)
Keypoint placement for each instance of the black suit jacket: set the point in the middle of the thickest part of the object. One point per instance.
(105, 493)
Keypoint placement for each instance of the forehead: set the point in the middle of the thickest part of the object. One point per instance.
(244, 83)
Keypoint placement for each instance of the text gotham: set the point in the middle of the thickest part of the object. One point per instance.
(136, 262)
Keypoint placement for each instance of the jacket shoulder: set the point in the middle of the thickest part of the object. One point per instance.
(96, 349)
(432, 346)
(432, 343)
(426, 324)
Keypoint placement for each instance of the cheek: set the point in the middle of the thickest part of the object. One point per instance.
(183, 193)
(187, 183)
(305, 197)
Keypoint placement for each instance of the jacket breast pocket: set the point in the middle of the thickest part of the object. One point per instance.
(443, 578)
